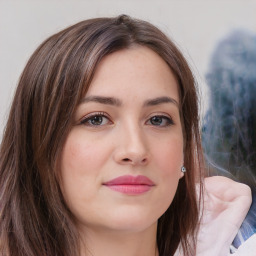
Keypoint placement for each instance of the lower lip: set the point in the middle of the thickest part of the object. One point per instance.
(130, 189)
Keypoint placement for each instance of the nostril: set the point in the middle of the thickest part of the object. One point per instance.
(134, 160)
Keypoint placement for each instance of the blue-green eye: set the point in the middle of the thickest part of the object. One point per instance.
(96, 120)
(160, 121)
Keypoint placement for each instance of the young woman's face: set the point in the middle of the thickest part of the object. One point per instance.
(121, 162)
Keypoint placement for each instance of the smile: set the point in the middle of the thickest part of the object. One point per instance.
(132, 185)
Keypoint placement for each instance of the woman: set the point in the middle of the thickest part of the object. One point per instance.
(103, 126)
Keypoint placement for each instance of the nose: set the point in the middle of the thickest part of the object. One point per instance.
(132, 147)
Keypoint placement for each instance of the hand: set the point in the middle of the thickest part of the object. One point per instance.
(226, 204)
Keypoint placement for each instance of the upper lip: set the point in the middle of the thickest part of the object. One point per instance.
(130, 180)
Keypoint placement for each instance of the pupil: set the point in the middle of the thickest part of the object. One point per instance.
(156, 120)
(96, 120)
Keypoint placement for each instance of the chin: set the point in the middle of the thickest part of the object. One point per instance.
(132, 220)
(131, 227)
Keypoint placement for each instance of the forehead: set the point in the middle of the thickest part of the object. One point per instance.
(137, 70)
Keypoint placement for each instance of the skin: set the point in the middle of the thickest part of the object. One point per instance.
(128, 134)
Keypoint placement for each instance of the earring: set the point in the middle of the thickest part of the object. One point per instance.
(183, 169)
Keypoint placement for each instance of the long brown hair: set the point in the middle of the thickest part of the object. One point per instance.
(34, 219)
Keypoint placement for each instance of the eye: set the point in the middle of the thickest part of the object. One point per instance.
(96, 119)
(160, 120)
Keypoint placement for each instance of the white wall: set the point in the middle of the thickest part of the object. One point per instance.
(194, 25)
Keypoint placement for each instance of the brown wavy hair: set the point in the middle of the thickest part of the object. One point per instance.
(34, 219)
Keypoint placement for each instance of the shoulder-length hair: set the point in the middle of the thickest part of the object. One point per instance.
(34, 217)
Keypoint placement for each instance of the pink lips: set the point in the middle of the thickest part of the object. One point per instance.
(128, 184)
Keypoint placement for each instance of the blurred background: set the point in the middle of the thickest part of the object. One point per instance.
(196, 27)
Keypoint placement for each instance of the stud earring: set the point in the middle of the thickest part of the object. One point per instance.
(183, 169)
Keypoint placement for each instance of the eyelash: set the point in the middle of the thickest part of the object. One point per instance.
(89, 118)
(168, 119)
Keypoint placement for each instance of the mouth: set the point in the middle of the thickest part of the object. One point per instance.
(132, 185)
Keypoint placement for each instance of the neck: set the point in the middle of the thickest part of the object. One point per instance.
(100, 243)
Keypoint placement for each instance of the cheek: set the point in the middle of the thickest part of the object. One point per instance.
(75, 152)
(81, 160)
(81, 165)
(169, 159)
(169, 156)
(82, 155)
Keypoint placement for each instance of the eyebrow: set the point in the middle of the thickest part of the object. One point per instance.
(160, 100)
(116, 102)
(102, 100)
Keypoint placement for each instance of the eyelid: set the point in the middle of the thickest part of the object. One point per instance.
(162, 115)
(92, 114)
